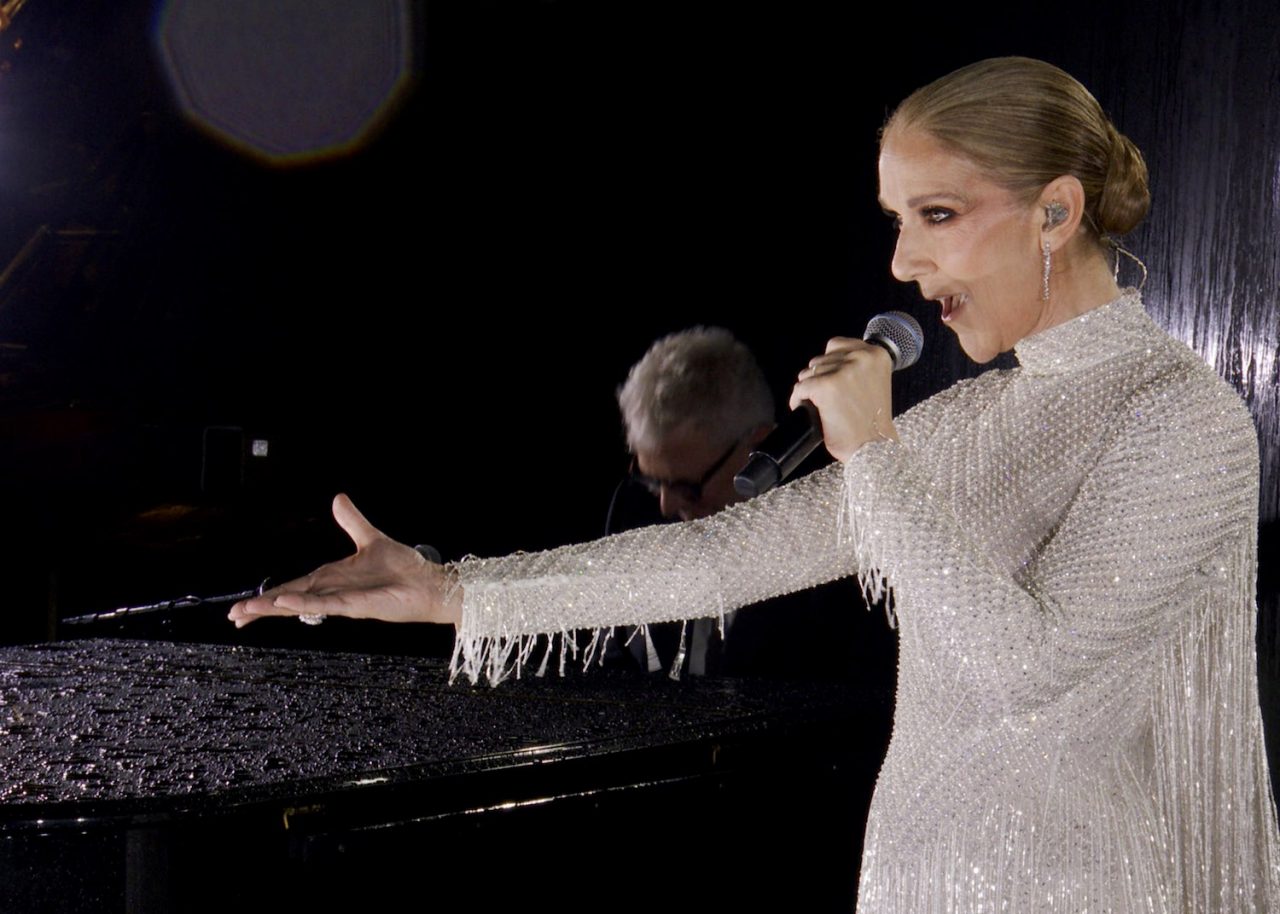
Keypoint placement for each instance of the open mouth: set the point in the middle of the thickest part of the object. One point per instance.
(951, 304)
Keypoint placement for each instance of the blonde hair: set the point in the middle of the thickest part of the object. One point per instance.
(1026, 122)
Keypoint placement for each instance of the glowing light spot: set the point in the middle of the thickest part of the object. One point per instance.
(288, 80)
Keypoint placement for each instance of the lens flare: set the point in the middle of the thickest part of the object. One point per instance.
(288, 80)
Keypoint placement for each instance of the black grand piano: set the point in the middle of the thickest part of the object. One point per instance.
(147, 776)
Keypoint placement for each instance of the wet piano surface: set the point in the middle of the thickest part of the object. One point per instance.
(154, 776)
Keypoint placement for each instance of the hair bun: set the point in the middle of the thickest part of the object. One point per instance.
(1125, 198)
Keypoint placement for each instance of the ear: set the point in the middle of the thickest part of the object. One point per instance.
(1063, 219)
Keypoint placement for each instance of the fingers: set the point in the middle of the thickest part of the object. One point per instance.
(383, 579)
(245, 611)
(843, 343)
(849, 384)
(797, 396)
(354, 523)
(290, 599)
(840, 352)
(296, 604)
(278, 601)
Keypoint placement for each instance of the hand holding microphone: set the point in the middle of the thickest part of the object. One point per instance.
(849, 390)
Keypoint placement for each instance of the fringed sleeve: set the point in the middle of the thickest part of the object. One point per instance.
(775, 544)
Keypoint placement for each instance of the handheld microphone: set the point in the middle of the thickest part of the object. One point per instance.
(799, 434)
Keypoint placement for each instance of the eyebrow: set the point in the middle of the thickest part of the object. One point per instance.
(925, 198)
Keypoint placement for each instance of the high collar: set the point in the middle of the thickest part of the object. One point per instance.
(1119, 326)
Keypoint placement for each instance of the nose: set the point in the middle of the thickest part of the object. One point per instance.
(909, 262)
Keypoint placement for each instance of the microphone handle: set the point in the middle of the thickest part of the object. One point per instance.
(786, 447)
(796, 437)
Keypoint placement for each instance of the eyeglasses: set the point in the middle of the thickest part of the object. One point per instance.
(689, 491)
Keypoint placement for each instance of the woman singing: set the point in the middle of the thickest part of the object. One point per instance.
(1069, 546)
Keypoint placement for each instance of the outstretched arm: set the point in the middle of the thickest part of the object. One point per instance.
(383, 579)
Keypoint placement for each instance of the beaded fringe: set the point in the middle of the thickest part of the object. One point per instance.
(523, 608)
(856, 534)
(495, 656)
(1219, 844)
(1193, 835)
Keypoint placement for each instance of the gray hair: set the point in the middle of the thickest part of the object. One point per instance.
(702, 376)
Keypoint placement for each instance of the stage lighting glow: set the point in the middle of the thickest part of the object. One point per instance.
(287, 80)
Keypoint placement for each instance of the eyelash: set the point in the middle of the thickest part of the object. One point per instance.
(932, 215)
(936, 215)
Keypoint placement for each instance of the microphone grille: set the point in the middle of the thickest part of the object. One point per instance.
(901, 332)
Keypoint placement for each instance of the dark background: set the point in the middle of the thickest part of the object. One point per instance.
(436, 321)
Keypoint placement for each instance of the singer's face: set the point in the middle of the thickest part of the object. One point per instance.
(683, 457)
(972, 246)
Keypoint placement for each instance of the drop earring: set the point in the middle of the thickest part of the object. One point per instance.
(1054, 215)
(1048, 265)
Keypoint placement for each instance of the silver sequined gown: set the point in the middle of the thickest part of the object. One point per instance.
(1071, 551)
